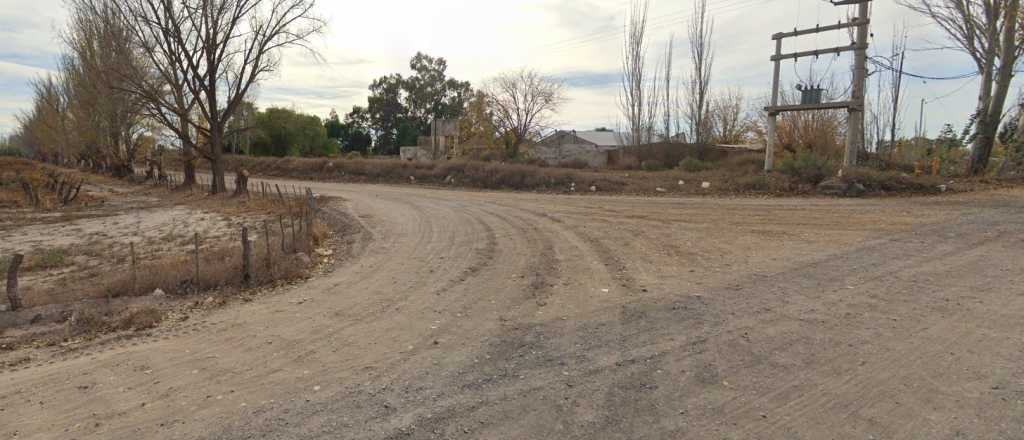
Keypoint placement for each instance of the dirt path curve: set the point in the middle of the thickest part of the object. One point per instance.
(520, 316)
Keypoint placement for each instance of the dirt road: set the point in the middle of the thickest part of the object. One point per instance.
(516, 316)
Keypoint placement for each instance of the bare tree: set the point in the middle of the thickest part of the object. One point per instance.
(896, 89)
(989, 32)
(521, 103)
(208, 55)
(635, 101)
(108, 117)
(878, 108)
(702, 59)
(667, 101)
(728, 119)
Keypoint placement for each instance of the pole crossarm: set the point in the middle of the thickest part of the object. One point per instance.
(819, 29)
(819, 52)
(776, 109)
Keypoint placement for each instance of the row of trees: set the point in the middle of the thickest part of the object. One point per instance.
(137, 73)
(655, 106)
(506, 112)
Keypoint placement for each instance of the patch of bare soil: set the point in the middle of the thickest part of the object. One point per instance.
(80, 279)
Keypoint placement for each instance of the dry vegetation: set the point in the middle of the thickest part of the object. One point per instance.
(735, 174)
(78, 279)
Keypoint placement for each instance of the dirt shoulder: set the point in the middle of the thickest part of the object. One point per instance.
(136, 254)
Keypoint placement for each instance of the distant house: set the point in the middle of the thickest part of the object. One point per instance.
(566, 146)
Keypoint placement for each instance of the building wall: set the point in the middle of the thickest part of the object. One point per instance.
(565, 153)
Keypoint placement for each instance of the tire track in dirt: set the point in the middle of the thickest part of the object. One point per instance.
(882, 266)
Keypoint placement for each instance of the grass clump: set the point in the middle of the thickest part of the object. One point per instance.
(807, 167)
(892, 181)
(694, 165)
(652, 165)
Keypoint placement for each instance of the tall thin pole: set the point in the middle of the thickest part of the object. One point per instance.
(773, 118)
(855, 123)
(897, 89)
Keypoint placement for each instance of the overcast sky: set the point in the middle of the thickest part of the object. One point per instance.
(578, 41)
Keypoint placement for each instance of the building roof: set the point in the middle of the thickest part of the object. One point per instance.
(598, 138)
(601, 138)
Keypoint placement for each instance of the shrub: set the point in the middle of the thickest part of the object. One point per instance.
(652, 165)
(140, 319)
(892, 181)
(51, 258)
(747, 162)
(576, 164)
(694, 165)
(11, 152)
(807, 167)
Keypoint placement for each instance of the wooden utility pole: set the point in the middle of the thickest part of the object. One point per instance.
(773, 118)
(855, 105)
(855, 127)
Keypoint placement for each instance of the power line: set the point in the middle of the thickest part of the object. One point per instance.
(885, 65)
(722, 8)
(617, 29)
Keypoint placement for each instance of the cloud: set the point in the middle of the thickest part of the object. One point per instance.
(589, 80)
(577, 41)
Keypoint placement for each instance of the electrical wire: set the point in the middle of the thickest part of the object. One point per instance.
(885, 65)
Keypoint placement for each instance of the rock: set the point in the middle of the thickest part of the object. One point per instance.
(681, 183)
(661, 190)
(593, 188)
(412, 179)
(943, 188)
(158, 293)
(304, 259)
(4, 307)
(706, 185)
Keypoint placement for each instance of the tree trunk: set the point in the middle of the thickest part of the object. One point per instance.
(242, 183)
(216, 147)
(188, 155)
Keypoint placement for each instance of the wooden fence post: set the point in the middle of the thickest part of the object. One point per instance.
(135, 270)
(294, 241)
(246, 257)
(270, 253)
(311, 206)
(281, 221)
(12, 281)
(279, 194)
(195, 258)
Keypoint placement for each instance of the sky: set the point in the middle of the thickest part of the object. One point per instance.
(577, 41)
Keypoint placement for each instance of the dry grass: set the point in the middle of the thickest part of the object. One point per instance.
(14, 171)
(728, 174)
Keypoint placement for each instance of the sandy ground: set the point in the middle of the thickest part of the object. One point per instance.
(519, 316)
(94, 240)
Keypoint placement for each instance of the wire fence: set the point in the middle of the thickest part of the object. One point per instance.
(256, 258)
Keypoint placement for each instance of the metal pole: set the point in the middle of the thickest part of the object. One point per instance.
(773, 118)
(855, 123)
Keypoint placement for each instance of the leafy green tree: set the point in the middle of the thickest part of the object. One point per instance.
(402, 108)
(356, 131)
(431, 94)
(948, 139)
(386, 111)
(284, 132)
(334, 126)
